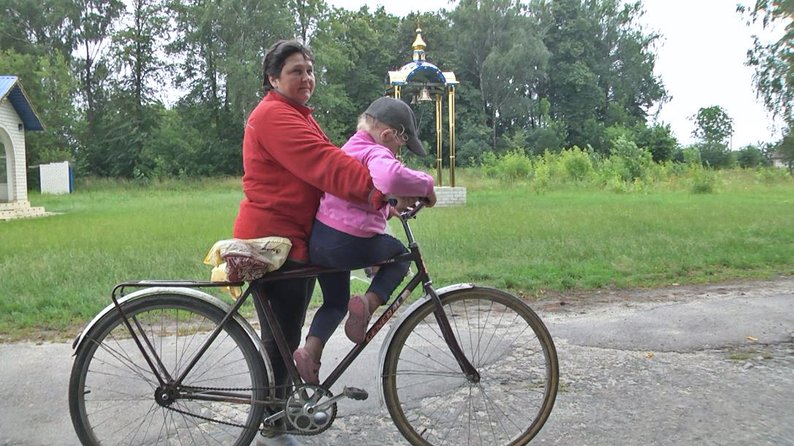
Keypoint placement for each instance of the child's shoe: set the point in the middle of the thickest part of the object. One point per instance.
(308, 368)
(357, 319)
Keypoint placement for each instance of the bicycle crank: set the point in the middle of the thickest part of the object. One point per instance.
(307, 412)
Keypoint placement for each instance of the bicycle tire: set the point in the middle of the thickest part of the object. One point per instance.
(430, 399)
(112, 388)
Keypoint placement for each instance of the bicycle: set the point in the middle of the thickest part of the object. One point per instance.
(170, 363)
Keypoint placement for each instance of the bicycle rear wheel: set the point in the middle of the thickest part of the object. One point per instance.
(115, 399)
(433, 403)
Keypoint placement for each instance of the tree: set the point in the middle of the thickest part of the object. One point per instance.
(500, 50)
(37, 26)
(713, 125)
(773, 62)
(307, 14)
(601, 69)
(137, 59)
(657, 139)
(354, 49)
(91, 26)
(51, 88)
(751, 156)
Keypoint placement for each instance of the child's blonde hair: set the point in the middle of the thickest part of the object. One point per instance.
(369, 124)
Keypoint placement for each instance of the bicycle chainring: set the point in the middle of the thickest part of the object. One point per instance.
(304, 419)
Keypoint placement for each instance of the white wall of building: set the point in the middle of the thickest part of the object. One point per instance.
(13, 138)
(56, 178)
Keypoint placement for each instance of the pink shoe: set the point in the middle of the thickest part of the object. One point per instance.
(308, 368)
(357, 319)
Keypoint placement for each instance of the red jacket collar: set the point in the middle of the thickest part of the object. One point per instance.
(274, 95)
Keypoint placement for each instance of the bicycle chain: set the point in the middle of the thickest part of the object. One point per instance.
(227, 423)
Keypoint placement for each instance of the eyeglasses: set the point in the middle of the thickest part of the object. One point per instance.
(402, 136)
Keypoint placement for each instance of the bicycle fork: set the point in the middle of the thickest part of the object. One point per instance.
(452, 342)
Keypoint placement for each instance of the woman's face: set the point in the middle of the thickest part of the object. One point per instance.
(296, 80)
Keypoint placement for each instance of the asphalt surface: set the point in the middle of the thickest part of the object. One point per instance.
(709, 365)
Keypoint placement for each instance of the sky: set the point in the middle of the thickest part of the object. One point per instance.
(700, 60)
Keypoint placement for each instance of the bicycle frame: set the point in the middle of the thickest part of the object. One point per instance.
(262, 302)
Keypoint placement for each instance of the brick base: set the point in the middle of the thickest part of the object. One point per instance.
(450, 196)
(20, 209)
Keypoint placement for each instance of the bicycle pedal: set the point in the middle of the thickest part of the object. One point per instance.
(355, 394)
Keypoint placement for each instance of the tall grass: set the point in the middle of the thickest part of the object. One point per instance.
(57, 272)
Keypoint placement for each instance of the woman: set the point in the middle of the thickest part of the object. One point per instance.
(288, 163)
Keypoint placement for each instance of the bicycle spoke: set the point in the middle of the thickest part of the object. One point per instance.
(114, 396)
(434, 403)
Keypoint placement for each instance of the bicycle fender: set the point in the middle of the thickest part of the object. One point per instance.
(190, 292)
(414, 306)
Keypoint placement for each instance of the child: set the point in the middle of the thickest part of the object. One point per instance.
(350, 236)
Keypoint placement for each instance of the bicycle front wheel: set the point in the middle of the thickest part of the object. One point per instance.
(115, 398)
(431, 400)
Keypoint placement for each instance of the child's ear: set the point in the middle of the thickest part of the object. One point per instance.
(384, 135)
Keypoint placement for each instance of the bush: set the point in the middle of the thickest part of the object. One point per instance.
(542, 139)
(541, 180)
(476, 143)
(771, 175)
(576, 164)
(659, 140)
(750, 157)
(515, 165)
(489, 163)
(716, 155)
(629, 161)
(704, 181)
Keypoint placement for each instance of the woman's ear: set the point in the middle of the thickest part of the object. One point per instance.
(273, 81)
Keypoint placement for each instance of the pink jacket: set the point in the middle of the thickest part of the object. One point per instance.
(389, 175)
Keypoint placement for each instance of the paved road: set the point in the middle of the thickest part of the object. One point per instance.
(678, 366)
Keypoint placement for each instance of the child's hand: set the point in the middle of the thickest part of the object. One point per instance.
(431, 199)
(403, 203)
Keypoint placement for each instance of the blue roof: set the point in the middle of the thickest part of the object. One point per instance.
(11, 88)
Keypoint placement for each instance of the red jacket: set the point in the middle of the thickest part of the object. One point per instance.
(288, 163)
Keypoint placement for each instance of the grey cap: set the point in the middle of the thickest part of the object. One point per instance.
(397, 114)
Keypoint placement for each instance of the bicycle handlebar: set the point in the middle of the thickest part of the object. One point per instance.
(411, 211)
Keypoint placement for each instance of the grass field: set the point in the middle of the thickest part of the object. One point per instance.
(57, 272)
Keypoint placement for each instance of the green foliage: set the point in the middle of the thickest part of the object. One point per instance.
(713, 126)
(751, 156)
(658, 139)
(551, 137)
(513, 166)
(716, 155)
(473, 145)
(46, 80)
(604, 79)
(691, 155)
(505, 236)
(627, 169)
(629, 161)
(577, 164)
(773, 62)
(108, 76)
(704, 181)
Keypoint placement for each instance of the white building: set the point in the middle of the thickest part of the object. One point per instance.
(16, 117)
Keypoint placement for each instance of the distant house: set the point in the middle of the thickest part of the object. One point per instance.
(777, 160)
(16, 117)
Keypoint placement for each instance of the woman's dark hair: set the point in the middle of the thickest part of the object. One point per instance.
(276, 56)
